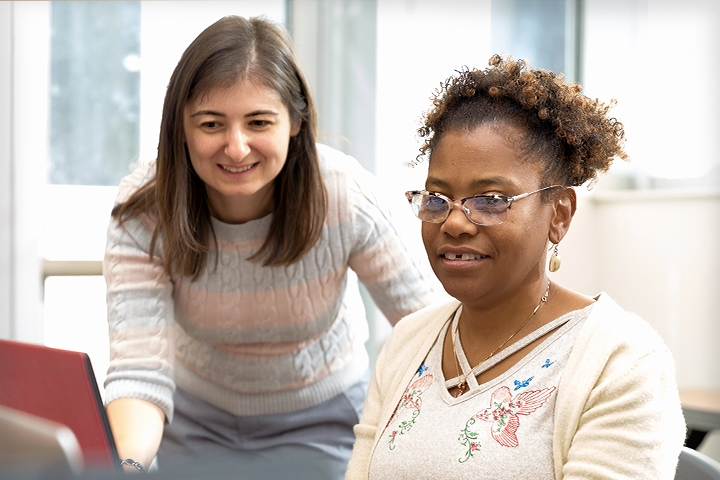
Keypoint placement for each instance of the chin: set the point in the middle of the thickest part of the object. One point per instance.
(466, 292)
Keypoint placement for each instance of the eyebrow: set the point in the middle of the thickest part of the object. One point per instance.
(475, 184)
(254, 113)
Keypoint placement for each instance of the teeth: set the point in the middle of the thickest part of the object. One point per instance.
(462, 256)
(237, 170)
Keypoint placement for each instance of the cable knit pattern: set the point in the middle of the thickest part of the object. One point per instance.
(250, 339)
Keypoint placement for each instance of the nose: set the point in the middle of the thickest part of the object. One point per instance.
(457, 222)
(237, 145)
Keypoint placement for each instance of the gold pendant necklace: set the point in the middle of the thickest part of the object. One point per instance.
(463, 386)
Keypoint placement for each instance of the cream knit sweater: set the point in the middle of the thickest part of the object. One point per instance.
(251, 339)
(617, 415)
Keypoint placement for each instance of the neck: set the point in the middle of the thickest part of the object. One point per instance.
(486, 324)
(242, 209)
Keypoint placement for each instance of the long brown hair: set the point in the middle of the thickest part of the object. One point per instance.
(231, 50)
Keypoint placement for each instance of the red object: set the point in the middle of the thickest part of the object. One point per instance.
(58, 385)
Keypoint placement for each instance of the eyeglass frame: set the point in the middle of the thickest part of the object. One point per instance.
(509, 200)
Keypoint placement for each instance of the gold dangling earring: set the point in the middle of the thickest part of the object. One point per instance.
(555, 259)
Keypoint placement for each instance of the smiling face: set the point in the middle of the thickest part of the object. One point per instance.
(238, 140)
(477, 264)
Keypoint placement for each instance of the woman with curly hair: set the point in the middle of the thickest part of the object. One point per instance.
(518, 377)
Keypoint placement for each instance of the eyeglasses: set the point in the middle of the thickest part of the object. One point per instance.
(483, 210)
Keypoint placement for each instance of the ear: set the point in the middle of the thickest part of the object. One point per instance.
(564, 206)
(295, 127)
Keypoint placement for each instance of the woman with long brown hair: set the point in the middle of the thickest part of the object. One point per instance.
(232, 329)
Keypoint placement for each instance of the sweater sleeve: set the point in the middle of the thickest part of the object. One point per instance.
(140, 310)
(379, 256)
(632, 426)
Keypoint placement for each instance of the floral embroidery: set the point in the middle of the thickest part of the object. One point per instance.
(522, 384)
(547, 363)
(469, 439)
(408, 409)
(503, 416)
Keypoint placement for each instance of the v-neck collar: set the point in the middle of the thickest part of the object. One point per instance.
(565, 323)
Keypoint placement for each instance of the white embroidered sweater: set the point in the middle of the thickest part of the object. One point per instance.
(617, 412)
(250, 339)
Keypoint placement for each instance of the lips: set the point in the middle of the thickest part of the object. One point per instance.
(239, 168)
(461, 254)
(461, 260)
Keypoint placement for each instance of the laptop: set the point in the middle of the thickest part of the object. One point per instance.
(59, 386)
(30, 443)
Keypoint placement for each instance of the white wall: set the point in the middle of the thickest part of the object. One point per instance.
(659, 59)
(30, 92)
(657, 254)
(5, 170)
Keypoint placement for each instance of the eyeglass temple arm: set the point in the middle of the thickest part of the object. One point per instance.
(514, 199)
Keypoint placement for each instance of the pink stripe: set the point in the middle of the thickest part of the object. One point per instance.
(259, 312)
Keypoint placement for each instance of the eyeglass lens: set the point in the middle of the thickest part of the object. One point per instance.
(484, 210)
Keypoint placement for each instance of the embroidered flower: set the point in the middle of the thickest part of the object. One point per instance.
(547, 363)
(468, 438)
(408, 409)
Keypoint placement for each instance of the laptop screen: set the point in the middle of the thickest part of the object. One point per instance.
(58, 385)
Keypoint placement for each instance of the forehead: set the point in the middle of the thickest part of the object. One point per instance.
(244, 93)
(464, 160)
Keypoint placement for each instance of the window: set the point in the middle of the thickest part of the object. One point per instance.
(94, 91)
(542, 32)
(86, 110)
(660, 61)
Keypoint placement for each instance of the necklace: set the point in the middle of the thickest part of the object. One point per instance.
(463, 386)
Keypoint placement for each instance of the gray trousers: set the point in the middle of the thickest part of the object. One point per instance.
(314, 443)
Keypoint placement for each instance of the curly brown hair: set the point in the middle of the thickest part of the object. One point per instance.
(569, 131)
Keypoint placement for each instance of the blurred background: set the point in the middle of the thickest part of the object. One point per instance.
(81, 91)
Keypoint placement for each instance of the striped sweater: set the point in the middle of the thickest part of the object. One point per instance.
(250, 339)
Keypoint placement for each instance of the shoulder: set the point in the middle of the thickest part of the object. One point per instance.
(620, 329)
(614, 350)
(410, 341)
(619, 380)
(612, 342)
(343, 171)
(333, 161)
(413, 331)
(140, 175)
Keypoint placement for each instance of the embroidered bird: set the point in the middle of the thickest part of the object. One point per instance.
(423, 368)
(522, 384)
(504, 412)
(547, 363)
